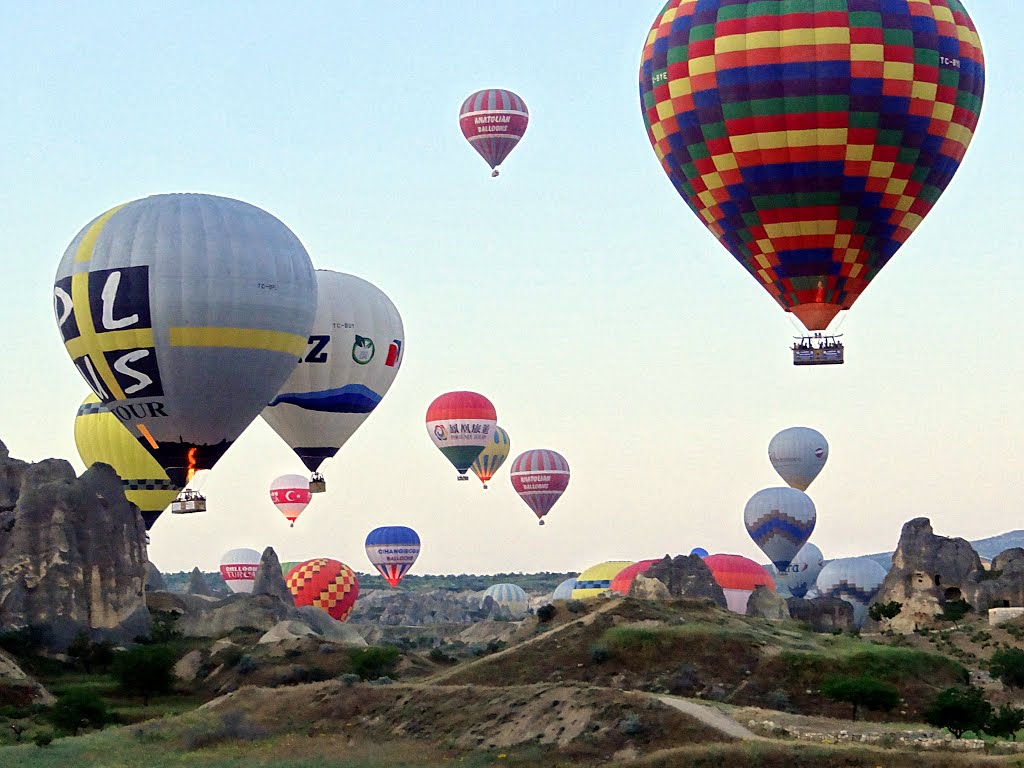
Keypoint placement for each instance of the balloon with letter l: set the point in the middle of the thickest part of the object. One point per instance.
(290, 494)
(493, 121)
(185, 314)
(354, 352)
(540, 477)
(811, 138)
(461, 424)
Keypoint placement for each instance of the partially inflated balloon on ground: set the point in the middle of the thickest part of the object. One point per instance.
(738, 576)
(238, 568)
(354, 352)
(597, 579)
(324, 583)
(509, 596)
(564, 590)
(101, 437)
(798, 454)
(185, 314)
(853, 579)
(624, 579)
(802, 574)
(392, 550)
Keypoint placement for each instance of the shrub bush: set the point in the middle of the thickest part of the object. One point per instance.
(145, 670)
(77, 709)
(377, 661)
(546, 613)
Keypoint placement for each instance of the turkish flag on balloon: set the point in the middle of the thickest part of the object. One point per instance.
(290, 494)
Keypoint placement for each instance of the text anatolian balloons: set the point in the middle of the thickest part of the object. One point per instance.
(238, 568)
(101, 437)
(185, 314)
(798, 455)
(492, 456)
(461, 425)
(354, 352)
(780, 520)
(290, 494)
(392, 550)
(540, 477)
(493, 121)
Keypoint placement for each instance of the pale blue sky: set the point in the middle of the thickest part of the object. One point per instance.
(577, 291)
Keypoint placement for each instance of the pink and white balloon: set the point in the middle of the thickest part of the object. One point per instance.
(540, 477)
(238, 568)
(290, 494)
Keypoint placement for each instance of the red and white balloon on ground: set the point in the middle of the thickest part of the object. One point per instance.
(540, 477)
(290, 494)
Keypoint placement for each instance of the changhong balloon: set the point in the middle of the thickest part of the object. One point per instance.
(461, 424)
(493, 121)
(780, 520)
(290, 494)
(492, 456)
(185, 314)
(392, 550)
(101, 437)
(354, 352)
(811, 137)
(798, 454)
(540, 477)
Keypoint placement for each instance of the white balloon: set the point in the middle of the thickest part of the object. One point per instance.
(853, 579)
(802, 574)
(780, 520)
(798, 455)
(238, 568)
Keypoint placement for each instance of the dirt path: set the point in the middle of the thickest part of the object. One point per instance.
(710, 716)
(446, 674)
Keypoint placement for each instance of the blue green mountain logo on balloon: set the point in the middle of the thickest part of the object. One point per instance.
(362, 350)
(352, 398)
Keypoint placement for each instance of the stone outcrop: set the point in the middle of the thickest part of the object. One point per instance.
(422, 608)
(323, 628)
(16, 687)
(72, 553)
(203, 617)
(197, 584)
(930, 570)
(644, 588)
(822, 614)
(764, 603)
(154, 579)
(685, 576)
(269, 579)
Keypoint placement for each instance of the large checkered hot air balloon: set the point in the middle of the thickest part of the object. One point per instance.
(780, 521)
(185, 314)
(324, 583)
(812, 137)
(493, 121)
(540, 477)
(461, 425)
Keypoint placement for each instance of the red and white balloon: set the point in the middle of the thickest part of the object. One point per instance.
(290, 494)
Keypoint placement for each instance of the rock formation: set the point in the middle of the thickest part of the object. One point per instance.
(763, 603)
(203, 617)
(684, 576)
(413, 609)
(154, 579)
(17, 688)
(197, 584)
(72, 553)
(823, 614)
(269, 579)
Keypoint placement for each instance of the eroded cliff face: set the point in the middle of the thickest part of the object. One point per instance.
(72, 553)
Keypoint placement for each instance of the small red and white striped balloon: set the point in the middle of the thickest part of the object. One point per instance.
(540, 477)
(290, 494)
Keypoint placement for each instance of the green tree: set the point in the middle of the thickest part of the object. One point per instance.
(861, 691)
(77, 709)
(374, 662)
(955, 610)
(145, 670)
(959, 710)
(1008, 665)
(1005, 722)
(885, 611)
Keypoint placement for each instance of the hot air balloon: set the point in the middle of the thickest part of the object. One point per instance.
(780, 521)
(540, 477)
(492, 456)
(290, 494)
(508, 596)
(324, 583)
(185, 314)
(811, 138)
(393, 549)
(564, 590)
(101, 437)
(798, 455)
(493, 121)
(802, 574)
(354, 353)
(597, 579)
(461, 424)
(624, 579)
(738, 576)
(238, 569)
(699, 552)
(853, 579)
